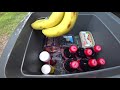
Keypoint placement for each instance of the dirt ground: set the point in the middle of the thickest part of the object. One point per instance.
(3, 42)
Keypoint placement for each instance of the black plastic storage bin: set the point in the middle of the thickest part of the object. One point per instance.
(20, 57)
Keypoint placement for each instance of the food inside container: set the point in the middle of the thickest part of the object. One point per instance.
(86, 39)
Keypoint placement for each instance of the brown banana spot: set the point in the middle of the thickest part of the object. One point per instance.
(69, 25)
(73, 13)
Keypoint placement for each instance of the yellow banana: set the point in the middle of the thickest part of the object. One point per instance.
(64, 27)
(54, 19)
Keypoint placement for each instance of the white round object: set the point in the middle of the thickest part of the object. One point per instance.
(46, 69)
(44, 56)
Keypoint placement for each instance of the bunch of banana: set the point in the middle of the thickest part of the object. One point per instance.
(58, 24)
(54, 19)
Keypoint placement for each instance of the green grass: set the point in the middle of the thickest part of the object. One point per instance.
(9, 21)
